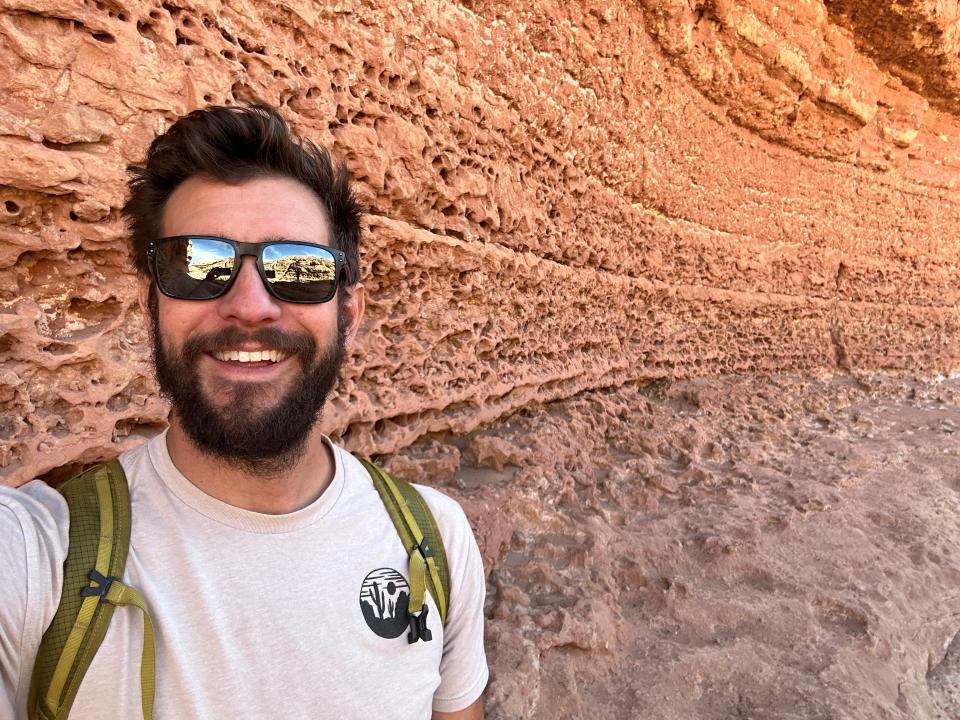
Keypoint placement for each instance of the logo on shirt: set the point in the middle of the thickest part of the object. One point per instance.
(384, 598)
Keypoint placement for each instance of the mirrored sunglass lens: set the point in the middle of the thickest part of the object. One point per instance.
(300, 273)
(194, 268)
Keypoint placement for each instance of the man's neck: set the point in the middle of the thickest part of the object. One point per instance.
(277, 493)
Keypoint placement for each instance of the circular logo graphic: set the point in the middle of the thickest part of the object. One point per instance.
(384, 598)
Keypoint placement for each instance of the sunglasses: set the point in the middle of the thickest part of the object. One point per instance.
(202, 267)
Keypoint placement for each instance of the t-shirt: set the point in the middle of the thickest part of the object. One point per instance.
(256, 616)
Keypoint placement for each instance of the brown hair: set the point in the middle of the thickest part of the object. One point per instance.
(232, 145)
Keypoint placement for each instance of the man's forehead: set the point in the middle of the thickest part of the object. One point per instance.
(256, 210)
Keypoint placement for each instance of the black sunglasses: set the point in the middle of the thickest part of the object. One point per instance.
(203, 267)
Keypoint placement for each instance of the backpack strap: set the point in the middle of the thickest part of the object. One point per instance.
(99, 503)
(420, 535)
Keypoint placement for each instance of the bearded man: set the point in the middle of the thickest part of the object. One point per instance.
(265, 557)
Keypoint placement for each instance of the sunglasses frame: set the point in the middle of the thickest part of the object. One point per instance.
(251, 249)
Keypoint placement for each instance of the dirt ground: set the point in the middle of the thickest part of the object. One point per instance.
(764, 547)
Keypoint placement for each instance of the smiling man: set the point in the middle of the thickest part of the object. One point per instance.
(274, 577)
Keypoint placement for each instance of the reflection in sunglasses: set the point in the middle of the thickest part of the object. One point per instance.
(211, 270)
(300, 268)
(295, 268)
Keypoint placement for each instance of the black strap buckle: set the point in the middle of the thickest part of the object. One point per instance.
(424, 547)
(101, 586)
(418, 627)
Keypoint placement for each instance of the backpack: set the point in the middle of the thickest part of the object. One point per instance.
(99, 504)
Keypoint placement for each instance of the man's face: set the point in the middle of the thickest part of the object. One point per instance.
(231, 405)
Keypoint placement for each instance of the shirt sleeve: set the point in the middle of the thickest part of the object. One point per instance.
(33, 535)
(463, 666)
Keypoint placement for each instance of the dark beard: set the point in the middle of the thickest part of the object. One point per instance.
(261, 438)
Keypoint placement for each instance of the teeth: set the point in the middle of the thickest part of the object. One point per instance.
(245, 356)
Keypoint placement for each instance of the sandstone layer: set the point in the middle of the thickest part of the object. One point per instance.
(562, 196)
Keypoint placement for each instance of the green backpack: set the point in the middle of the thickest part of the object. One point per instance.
(99, 504)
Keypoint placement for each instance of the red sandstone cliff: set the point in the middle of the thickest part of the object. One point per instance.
(563, 196)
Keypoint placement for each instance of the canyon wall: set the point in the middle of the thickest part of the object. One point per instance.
(562, 196)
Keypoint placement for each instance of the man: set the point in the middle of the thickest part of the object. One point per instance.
(270, 568)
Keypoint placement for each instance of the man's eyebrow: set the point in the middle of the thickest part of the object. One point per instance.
(265, 239)
(281, 238)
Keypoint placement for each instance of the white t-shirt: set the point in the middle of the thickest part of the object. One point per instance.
(256, 616)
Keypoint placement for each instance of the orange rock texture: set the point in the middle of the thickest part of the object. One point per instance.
(764, 547)
(563, 196)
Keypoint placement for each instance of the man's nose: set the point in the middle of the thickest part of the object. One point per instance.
(248, 300)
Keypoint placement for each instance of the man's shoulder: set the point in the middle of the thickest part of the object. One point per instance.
(32, 507)
(440, 504)
(138, 458)
(35, 534)
(458, 538)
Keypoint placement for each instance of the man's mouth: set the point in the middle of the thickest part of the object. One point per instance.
(246, 356)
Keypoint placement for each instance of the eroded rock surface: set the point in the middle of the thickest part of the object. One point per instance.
(775, 547)
(563, 196)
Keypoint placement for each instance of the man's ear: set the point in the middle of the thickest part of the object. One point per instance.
(143, 299)
(352, 308)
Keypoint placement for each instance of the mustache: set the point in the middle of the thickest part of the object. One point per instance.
(230, 337)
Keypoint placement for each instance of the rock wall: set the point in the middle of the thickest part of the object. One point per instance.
(563, 196)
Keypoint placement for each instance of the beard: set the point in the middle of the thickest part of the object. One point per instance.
(250, 427)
